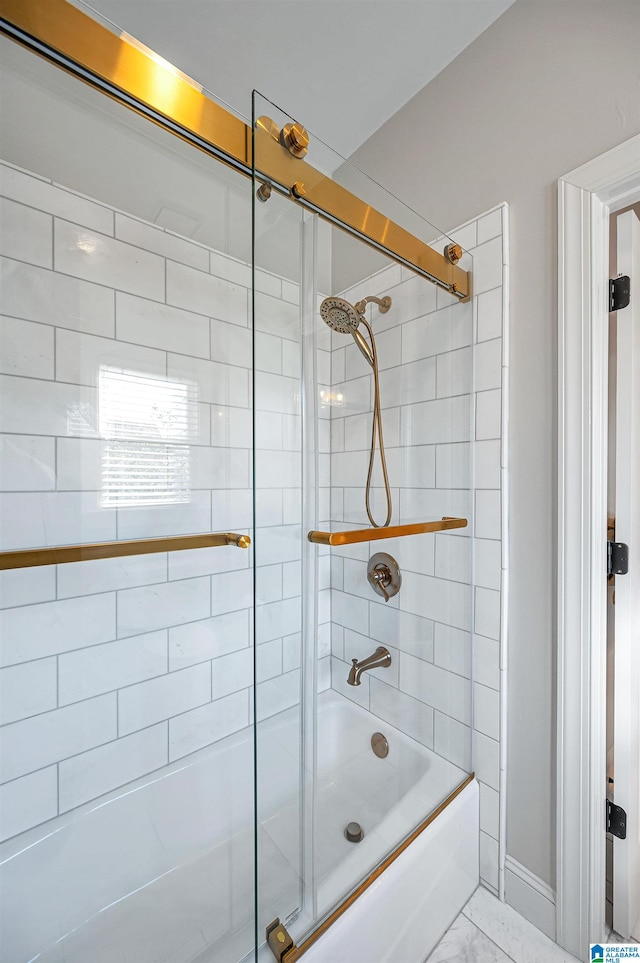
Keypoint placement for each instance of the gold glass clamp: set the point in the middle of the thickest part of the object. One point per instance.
(453, 253)
(295, 138)
(263, 193)
(280, 942)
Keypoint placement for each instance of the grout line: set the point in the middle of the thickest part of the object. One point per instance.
(370, 610)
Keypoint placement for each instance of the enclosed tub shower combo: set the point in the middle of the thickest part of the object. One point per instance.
(236, 515)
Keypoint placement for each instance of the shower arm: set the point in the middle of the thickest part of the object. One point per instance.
(383, 303)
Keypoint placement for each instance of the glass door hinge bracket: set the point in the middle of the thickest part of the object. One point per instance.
(280, 943)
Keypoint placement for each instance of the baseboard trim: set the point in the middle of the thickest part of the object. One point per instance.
(530, 896)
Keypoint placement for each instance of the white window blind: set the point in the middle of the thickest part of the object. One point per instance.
(147, 423)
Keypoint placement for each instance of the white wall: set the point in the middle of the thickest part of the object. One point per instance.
(544, 89)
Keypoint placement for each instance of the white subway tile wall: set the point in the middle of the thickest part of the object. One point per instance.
(441, 388)
(111, 669)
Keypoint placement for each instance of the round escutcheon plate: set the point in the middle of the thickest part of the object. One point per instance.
(379, 745)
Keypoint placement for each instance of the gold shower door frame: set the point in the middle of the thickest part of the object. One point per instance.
(131, 73)
(136, 77)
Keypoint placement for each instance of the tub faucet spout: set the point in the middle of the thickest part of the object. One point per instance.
(381, 659)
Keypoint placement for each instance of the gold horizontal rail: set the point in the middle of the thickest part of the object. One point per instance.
(62, 554)
(389, 531)
(338, 205)
(142, 81)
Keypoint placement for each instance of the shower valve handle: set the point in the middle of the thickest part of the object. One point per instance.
(383, 574)
(380, 577)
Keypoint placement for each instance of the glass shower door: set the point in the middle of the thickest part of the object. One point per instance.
(279, 289)
(126, 659)
(374, 731)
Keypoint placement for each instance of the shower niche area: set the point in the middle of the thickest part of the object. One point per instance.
(237, 496)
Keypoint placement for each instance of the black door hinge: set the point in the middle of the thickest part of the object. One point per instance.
(617, 558)
(616, 820)
(619, 292)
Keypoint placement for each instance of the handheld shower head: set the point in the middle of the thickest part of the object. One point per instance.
(344, 318)
(339, 315)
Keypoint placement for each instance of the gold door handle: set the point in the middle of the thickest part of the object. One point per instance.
(63, 554)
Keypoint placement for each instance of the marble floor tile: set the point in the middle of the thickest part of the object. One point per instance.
(613, 937)
(518, 938)
(465, 943)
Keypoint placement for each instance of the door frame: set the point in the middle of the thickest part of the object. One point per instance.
(586, 198)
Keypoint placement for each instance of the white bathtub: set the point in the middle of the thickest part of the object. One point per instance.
(163, 870)
(405, 912)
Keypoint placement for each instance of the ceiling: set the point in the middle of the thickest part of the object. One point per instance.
(341, 67)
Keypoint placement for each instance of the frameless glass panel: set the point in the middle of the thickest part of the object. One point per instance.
(278, 299)
(126, 796)
(379, 734)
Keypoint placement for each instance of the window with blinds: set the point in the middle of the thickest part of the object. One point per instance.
(146, 423)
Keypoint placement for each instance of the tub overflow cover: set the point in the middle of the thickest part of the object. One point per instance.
(379, 745)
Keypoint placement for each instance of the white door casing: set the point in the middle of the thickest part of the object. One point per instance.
(586, 198)
(626, 792)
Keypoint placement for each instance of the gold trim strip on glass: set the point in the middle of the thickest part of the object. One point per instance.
(389, 531)
(297, 951)
(141, 79)
(61, 554)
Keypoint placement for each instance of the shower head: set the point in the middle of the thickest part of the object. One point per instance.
(343, 317)
(339, 315)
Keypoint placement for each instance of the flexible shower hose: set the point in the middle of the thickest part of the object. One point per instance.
(376, 428)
